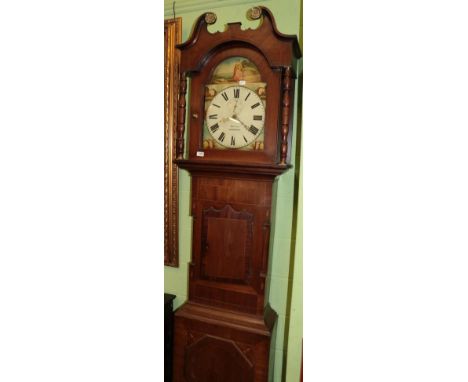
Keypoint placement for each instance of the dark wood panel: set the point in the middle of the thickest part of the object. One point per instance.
(216, 294)
(209, 337)
(235, 190)
(226, 252)
(216, 359)
(226, 260)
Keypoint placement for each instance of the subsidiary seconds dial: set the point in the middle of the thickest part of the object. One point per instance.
(235, 117)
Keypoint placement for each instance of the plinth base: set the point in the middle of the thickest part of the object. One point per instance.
(218, 345)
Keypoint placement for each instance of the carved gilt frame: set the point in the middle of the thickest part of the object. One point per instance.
(172, 36)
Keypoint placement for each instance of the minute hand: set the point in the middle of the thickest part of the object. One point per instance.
(239, 121)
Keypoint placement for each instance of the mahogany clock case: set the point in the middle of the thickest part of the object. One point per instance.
(223, 332)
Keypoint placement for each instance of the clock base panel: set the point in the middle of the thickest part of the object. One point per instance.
(218, 345)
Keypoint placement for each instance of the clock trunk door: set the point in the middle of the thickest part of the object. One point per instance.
(226, 245)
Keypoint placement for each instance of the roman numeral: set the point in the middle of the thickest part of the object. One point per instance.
(255, 105)
(253, 130)
(214, 128)
(248, 95)
(225, 96)
(214, 116)
(233, 141)
(257, 117)
(221, 137)
(245, 139)
(215, 105)
(236, 93)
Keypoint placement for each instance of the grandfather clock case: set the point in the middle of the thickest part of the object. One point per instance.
(239, 114)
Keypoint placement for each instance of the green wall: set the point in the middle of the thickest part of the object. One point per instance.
(284, 282)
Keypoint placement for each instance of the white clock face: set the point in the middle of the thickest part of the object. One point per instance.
(235, 117)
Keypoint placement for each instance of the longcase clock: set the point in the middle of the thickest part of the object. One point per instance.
(239, 115)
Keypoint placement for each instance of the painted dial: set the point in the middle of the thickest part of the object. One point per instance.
(235, 117)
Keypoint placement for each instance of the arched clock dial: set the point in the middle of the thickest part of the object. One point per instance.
(235, 117)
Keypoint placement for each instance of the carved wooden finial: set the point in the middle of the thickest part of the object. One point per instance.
(254, 13)
(210, 18)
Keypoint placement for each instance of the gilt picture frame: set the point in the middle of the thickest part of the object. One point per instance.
(172, 36)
